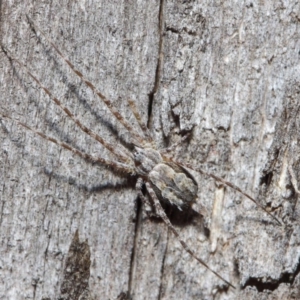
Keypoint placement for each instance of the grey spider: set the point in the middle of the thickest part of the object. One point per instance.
(166, 179)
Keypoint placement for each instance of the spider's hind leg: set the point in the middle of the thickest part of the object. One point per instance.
(164, 217)
(227, 183)
(149, 208)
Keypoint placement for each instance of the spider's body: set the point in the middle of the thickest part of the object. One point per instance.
(173, 184)
(166, 179)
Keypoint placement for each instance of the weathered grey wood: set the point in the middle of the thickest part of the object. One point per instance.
(227, 71)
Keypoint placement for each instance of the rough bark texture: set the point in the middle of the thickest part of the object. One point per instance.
(225, 71)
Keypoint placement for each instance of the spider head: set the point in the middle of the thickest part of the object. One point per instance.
(145, 159)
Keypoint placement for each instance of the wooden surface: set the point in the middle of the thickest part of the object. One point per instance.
(227, 72)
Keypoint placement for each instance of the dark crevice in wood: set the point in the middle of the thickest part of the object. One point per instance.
(150, 105)
(123, 296)
(236, 269)
(163, 269)
(286, 277)
(174, 30)
(137, 221)
(159, 62)
(266, 179)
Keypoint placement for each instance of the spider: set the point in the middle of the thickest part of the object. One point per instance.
(167, 180)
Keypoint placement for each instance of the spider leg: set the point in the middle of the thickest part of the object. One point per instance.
(112, 148)
(150, 210)
(108, 103)
(139, 120)
(164, 217)
(118, 167)
(231, 185)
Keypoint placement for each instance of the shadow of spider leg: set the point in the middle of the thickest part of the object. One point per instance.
(140, 140)
(124, 158)
(116, 166)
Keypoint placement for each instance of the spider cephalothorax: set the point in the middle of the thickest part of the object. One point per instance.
(166, 179)
(146, 159)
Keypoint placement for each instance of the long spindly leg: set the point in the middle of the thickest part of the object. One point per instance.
(118, 167)
(112, 148)
(231, 185)
(108, 103)
(161, 213)
(150, 210)
(139, 120)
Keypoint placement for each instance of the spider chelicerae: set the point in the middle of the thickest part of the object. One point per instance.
(166, 179)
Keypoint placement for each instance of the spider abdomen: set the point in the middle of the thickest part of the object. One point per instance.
(174, 184)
